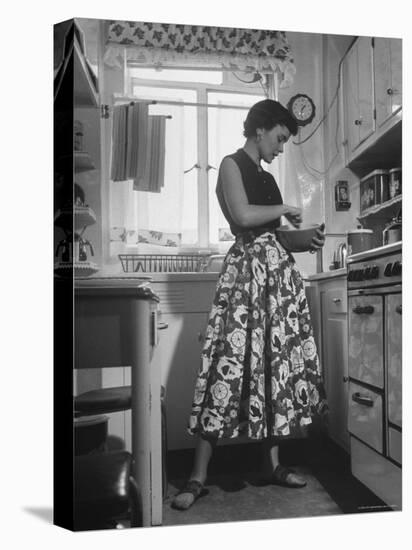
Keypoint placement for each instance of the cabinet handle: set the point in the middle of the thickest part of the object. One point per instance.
(389, 91)
(337, 300)
(345, 379)
(358, 122)
(362, 399)
(162, 326)
(399, 309)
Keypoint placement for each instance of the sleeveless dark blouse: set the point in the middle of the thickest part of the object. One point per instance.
(260, 188)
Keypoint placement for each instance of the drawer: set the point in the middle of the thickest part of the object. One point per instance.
(395, 445)
(378, 474)
(366, 415)
(336, 300)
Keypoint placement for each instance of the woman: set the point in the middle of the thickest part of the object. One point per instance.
(260, 372)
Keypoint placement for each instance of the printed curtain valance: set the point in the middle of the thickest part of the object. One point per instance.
(236, 49)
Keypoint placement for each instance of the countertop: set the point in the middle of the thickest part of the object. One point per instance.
(110, 274)
(327, 274)
(375, 252)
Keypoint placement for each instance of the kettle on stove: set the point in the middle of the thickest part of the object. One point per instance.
(393, 230)
(83, 243)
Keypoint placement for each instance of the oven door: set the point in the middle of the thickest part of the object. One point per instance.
(365, 317)
(393, 308)
(366, 415)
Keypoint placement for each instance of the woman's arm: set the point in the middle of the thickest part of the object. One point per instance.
(245, 214)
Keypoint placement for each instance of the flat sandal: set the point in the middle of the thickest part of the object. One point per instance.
(280, 477)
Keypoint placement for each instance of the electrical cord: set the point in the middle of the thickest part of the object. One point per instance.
(329, 108)
(310, 169)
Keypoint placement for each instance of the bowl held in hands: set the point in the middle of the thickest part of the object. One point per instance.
(297, 240)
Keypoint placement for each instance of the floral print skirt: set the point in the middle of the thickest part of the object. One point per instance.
(259, 374)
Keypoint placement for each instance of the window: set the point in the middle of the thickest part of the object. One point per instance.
(197, 138)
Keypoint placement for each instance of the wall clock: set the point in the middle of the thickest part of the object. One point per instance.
(302, 108)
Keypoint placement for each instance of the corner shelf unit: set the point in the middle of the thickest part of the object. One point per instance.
(385, 210)
(77, 217)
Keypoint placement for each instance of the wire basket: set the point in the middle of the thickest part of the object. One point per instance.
(162, 263)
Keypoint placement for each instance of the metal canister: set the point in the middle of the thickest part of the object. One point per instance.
(395, 182)
(359, 240)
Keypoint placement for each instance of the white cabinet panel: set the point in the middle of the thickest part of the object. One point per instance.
(181, 346)
(333, 340)
(365, 92)
(388, 77)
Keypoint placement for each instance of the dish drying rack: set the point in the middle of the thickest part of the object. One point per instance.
(163, 263)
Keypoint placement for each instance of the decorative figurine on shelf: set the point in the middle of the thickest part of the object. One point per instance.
(342, 201)
(72, 252)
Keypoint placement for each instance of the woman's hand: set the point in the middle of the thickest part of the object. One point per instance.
(294, 216)
(319, 240)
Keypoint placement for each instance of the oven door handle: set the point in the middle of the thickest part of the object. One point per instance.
(362, 399)
(366, 309)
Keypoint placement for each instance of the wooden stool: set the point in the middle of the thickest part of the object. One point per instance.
(115, 399)
(105, 492)
(90, 434)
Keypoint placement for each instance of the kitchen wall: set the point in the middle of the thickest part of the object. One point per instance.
(303, 185)
(337, 223)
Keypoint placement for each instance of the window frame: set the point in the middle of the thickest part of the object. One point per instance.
(202, 89)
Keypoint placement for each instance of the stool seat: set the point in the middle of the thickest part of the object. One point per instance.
(103, 401)
(106, 400)
(104, 489)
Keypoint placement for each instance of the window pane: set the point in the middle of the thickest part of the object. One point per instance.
(177, 75)
(225, 136)
(174, 209)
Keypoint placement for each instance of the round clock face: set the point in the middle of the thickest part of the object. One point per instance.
(302, 109)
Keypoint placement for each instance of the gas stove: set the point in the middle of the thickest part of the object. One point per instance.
(375, 370)
(379, 267)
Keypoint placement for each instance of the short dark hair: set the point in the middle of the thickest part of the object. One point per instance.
(267, 114)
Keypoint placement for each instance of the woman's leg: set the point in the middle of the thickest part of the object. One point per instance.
(203, 454)
(278, 473)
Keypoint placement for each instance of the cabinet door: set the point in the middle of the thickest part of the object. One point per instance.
(335, 364)
(388, 77)
(181, 346)
(365, 91)
(351, 103)
(358, 93)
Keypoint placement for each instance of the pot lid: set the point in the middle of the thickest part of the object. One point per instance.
(358, 231)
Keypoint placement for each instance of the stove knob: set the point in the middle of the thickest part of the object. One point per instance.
(359, 275)
(388, 270)
(350, 275)
(367, 273)
(397, 268)
(374, 272)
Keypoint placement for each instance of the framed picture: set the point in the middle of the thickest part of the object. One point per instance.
(342, 201)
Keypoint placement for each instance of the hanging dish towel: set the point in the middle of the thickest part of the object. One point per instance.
(129, 140)
(150, 174)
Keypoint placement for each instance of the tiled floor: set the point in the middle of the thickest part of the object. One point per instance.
(236, 493)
